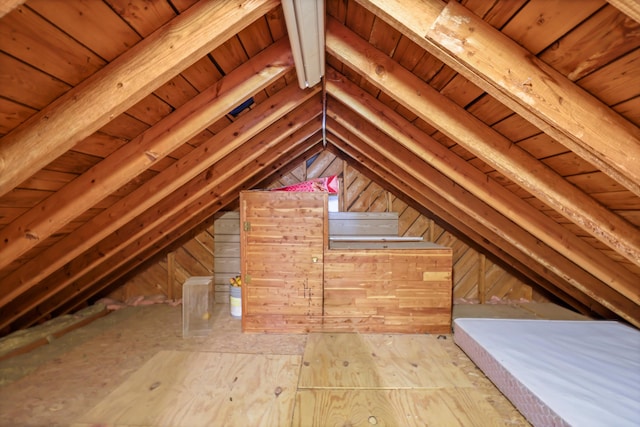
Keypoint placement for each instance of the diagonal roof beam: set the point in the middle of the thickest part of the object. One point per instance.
(227, 156)
(121, 84)
(629, 7)
(7, 6)
(490, 146)
(291, 152)
(480, 211)
(191, 205)
(476, 182)
(514, 76)
(394, 171)
(106, 223)
(143, 151)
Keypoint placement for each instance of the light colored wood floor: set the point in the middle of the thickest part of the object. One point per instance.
(132, 367)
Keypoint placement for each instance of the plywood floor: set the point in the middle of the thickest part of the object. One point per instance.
(132, 367)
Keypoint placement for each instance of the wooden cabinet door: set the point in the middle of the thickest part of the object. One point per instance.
(283, 235)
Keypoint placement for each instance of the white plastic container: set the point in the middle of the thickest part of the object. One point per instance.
(235, 301)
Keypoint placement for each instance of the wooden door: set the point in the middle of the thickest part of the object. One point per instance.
(283, 236)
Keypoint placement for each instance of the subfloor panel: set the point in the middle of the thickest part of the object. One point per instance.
(203, 389)
(133, 365)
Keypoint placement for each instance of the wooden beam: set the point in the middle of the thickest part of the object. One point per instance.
(245, 163)
(631, 8)
(490, 146)
(482, 278)
(344, 201)
(7, 6)
(143, 152)
(171, 273)
(111, 91)
(393, 170)
(296, 149)
(290, 153)
(458, 170)
(432, 231)
(528, 86)
(435, 191)
(460, 226)
(163, 184)
(231, 158)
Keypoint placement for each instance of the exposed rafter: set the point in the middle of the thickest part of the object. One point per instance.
(480, 211)
(228, 163)
(141, 153)
(525, 84)
(630, 7)
(499, 198)
(393, 171)
(496, 150)
(511, 125)
(111, 91)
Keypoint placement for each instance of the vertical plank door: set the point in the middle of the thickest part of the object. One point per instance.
(283, 236)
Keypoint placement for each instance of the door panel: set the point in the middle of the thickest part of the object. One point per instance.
(282, 236)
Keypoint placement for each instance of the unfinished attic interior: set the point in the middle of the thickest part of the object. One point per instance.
(484, 158)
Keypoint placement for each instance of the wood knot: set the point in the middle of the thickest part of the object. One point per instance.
(151, 155)
(278, 391)
(31, 235)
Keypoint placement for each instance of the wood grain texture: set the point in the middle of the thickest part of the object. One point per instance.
(136, 156)
(193, 209)
(131, 350)
(202, 209)
(446, 406)
(629, 7)
(453, 167)
(386, 290)
(473, 135)
(288, 271)
(594, 44)
(394, 167)
(226, 263)
(532, 89)
(381, 361)
(199, 388)
(283, 236)
(382, 379)
(112, 91)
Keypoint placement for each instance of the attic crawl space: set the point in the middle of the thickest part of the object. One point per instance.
(135, 135)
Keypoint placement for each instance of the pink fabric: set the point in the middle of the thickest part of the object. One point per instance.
(328, 183)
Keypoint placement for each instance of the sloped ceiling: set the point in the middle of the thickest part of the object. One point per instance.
(513, 122)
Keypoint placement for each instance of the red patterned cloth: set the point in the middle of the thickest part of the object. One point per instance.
(327, 183)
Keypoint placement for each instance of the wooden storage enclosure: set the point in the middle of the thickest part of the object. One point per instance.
(283, 236)
(296, 280)
(529, 157)
(388, 287)
(476, 278)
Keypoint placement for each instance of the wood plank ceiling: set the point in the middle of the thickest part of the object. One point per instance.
(513, 122)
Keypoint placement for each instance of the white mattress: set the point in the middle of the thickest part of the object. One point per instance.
(557, 372)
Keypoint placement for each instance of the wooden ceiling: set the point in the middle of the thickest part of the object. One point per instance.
(513, 122)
